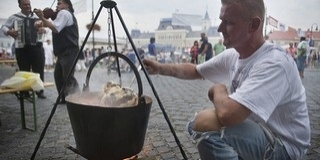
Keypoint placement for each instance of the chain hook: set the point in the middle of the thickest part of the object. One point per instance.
(109, 48)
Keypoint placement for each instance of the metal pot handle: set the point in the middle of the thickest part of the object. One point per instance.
(117, 55)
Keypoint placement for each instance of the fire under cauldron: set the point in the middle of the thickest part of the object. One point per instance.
(108, 132)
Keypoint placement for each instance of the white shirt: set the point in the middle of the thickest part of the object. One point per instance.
(64, 19)
(48, 49)
(268, 84)
(10, 21)
(9, 24)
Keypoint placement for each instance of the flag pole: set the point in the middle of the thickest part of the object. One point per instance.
(92, 19)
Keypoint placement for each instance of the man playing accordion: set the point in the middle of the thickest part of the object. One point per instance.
(28, 47)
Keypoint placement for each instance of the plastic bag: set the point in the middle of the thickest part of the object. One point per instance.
(24, 80)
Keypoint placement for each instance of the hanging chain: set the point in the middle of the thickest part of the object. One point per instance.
(109, 48)
(110, 59)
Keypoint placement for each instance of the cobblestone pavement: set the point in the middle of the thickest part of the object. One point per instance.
(180, 98)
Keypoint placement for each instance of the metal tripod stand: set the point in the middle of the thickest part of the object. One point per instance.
(109, 4)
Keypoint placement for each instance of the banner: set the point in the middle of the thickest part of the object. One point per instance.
(80, 6)
(282, 27)
(272, 22)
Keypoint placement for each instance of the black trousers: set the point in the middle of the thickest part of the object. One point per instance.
(31, 58)
(63, 66)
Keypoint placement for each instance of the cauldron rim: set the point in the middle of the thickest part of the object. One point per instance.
(72, 98)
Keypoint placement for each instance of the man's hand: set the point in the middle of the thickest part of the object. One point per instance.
(45, 21)
(39, 13)
(151, 66)
(13, 33)
(41, 30)
(38, 24)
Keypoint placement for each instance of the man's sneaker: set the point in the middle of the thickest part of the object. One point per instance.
(41, 95)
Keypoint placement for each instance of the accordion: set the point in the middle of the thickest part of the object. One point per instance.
(27, 33)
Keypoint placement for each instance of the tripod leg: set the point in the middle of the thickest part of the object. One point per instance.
(62, 90)
(154, 91)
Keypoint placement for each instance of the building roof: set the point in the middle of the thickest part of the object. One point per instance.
(206, 16)
(315, 34)
(292, 34)
(181, 22)
(168, 22)
(280, 35)
(136, 33)
(179, 19)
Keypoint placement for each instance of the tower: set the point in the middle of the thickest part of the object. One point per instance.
(206, 22)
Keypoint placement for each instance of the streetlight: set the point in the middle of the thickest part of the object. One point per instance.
(311, 40)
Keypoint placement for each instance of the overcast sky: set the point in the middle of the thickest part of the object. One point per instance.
(146, 14)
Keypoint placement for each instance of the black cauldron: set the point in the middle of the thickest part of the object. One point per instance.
(108, 132)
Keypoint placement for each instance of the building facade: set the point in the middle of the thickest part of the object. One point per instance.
(283, 38)
(177, 33)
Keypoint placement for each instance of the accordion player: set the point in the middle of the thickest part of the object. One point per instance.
(27, 33)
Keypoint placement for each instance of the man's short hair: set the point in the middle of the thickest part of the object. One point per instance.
(152, 40)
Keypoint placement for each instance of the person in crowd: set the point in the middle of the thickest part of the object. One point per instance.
(132, 56)
(302, 50)
(161, 57)
(259, 103)
(314, 58)
(318, 53)
(291, 50)
(173, 57)
(152, 49)
(4, 54)
(94, 53)
(194, 52)
(205, 48)
(81, 66)
(30, 56)
(141, 53)
(88, 57)
(201, 54)
(65, 36)
(102, 50)
(48, 50)
(218, 47)
(309, 43)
